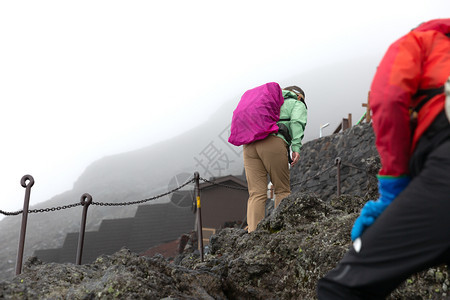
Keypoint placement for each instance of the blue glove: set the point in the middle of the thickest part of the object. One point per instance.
(388, 188)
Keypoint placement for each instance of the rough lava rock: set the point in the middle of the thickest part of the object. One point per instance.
(283, 259)
(123, 275)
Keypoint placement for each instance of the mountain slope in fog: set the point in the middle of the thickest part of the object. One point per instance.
(331, 94)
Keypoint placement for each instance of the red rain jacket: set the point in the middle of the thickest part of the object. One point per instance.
(412, 67)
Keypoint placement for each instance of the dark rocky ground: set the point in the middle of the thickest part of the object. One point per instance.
(291, 249)
(283, 259)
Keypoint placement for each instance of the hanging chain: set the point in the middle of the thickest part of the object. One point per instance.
(312, 177)
(95, 203)
(144, 200)
(52, 209)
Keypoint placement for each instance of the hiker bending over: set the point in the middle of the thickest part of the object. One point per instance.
(407, 229)
(268, 153)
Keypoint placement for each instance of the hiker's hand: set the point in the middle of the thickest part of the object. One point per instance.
(371, 210)
(295, 158)
(388, 188)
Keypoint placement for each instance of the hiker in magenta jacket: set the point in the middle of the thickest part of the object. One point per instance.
(269, 157)
(407, 229)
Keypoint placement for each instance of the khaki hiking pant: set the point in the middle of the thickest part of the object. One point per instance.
(268, 156)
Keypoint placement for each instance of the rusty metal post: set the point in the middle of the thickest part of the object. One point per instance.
(199, 214)
(83, 225)
(367, 106)
(344, 124)
(23, 229)
(337, 162)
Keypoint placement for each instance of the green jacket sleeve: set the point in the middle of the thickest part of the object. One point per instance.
(297, 125)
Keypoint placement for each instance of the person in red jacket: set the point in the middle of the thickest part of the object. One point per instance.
(407, 229)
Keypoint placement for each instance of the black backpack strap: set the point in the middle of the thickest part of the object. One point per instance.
(430, 93)
(284, 131)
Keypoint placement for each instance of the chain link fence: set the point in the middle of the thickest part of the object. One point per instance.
(196, 204)
(192, 180)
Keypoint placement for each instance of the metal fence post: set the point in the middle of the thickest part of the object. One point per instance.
(23, 229)
(83, 225)
(337, 162)
(199, 214)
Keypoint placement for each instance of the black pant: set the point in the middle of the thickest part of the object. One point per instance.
(411, 235)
